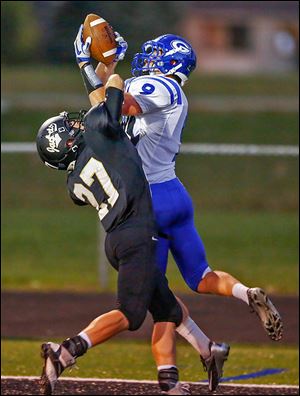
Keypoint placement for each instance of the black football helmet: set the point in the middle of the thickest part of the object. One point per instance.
(58, 139)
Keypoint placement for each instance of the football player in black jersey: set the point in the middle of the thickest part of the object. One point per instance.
(105, 171)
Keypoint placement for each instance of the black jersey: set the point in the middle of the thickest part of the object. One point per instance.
(108, 171)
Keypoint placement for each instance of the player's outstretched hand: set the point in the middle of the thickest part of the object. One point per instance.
(122, 47)
(82, 49)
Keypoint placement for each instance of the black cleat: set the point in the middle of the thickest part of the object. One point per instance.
(260, 303)
(56, 359)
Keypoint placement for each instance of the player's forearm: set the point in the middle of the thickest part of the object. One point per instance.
(93, 84)
(97, 96)
(104, 72)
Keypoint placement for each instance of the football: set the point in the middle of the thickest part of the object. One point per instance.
(104, 46)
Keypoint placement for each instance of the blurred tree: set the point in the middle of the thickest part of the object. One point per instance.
(19, 32)
(137, 21)
(63, 26)
(45, 30)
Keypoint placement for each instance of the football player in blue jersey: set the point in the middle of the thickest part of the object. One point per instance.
(154, 114)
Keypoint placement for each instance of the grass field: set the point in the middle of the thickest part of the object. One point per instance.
(256, 195)
(68, 245)
(221, 127)
(135, 361)
(66, 78)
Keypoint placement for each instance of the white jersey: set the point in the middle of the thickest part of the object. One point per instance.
(158, 129)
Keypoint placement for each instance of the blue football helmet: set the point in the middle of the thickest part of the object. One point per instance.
(167, 54)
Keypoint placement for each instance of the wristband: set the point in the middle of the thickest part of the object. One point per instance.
(90, 78)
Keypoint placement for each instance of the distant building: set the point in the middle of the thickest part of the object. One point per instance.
(243, 36)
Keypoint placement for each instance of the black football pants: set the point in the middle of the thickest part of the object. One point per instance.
(141, 285)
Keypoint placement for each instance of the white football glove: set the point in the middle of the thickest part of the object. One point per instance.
(122, 47)
(82, 49)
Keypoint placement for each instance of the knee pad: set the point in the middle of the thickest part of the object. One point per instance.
(172, 314)
(135, 319)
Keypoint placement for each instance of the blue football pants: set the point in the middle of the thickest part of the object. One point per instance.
(174, 216)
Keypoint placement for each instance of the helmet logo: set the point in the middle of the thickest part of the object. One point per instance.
(53, 137)
(180, 46)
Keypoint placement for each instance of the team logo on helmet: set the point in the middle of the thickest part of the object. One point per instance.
(181, 47)
(53, 137)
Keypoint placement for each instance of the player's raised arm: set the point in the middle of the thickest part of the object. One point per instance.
(93, 84)
(114, 96)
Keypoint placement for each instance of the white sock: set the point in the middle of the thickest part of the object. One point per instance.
(165, 367)
(195, 336)
(86, 338)
(240, 291)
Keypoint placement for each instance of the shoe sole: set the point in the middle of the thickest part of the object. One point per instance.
(267, 313)
(215, 378)
(182, 390)
(45, 386)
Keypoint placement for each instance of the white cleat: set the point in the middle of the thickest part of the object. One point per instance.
(214, 363)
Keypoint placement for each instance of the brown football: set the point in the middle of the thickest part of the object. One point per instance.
(104, 46)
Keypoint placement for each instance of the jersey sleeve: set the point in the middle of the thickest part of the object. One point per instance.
(114, 100)
(150, 93)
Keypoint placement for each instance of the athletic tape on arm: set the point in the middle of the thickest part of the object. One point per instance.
(90, 78)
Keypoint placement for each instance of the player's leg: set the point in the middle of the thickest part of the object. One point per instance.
(222, 283)
(163, 344)
(140, 289)
(189, 253)
(57, 357)
(212, 355)
(172, 205)
(135, 287)
(167, 314)
(164, 352)
(162, 251)
(163, 211)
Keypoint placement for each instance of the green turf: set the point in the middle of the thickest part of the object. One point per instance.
(241, 182)
(133, 360)
(201, 127)
(246, 212)
(60, 252)
(214, 182)
(66, 78)
(242, 128)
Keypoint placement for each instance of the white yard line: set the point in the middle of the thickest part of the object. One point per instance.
(144, 381)
(190, 148)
